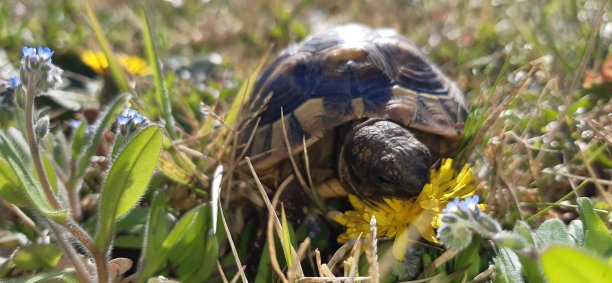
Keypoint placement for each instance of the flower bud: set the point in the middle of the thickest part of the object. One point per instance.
(42, 127)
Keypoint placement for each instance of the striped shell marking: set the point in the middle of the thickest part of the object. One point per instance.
(349, 73)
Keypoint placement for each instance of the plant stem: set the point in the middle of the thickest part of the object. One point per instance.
(75, 230)
(99, 256)
(81, 271)
(34, 149)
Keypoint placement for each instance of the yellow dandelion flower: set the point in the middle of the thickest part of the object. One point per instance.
(394, 215)
(132, 64)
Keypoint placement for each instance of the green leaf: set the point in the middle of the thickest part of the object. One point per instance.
(507, 267)
(37, 256)
(78, 139)
(522, 228)
(468, 259)
(211, 252)
(11, 188)
(552, 231)
(160, 255)
(161, 90)
(50, 171)
(286, 238)
(597, 237)
(19, 185)
(530, 266)
(116, 71)
(65, 275)
(195, 254)
(576, 232)
(188, 253)
(158, 224)
(264, 272)
(568, 264)
(127, 180)
(84, 158)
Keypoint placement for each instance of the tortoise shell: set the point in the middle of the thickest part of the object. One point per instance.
(348, 73)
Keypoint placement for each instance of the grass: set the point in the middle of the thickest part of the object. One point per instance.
(537, 139)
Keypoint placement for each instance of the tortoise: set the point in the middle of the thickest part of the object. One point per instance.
(371, 109)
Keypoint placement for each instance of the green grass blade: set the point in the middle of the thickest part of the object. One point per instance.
(116, 71)
(161, 89)
(127, 180)
(286, 238)
(597, 236)
(245, 92)
(160, 256)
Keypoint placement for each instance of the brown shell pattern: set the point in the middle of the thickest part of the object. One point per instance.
(348, 73)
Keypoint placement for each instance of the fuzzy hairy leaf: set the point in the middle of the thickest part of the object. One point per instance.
(507, 267)
(128, 180)
(20, 186)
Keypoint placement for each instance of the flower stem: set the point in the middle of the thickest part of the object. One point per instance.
(71, 254)
(34, 149)
(75, 230)
(99, 256)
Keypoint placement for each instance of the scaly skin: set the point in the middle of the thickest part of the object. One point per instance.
(383, 159)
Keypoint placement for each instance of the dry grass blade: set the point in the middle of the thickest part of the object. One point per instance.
(220, 270)
(295, 270)
(309, 190)
(490, 121)
(484, 276)
(233, 247)
(355, 254)
(372, 252)
(272, 220)
(263, 194)
(595, 179)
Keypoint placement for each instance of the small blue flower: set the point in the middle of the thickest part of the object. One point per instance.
(137, 119)
(15, 81)
(123, 120)
(28, 51)
(470, 204)
(131, 113)
(75, 123)
(452, 206)
(45, 53)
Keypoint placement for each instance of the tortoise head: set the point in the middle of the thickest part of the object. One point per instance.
(380, 158)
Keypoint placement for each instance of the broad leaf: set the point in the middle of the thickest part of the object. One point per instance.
(576, 232)
(567, 264)
(552, 231)
(507, 267)
(531, 268)
(37, 256)
(128, 180)
(19, 185)
(597, 237)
